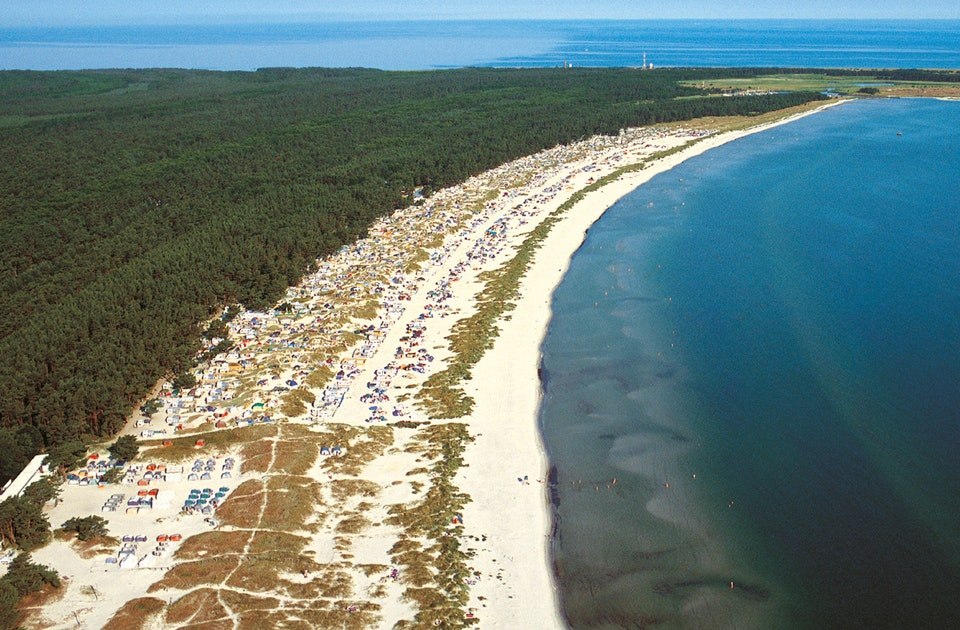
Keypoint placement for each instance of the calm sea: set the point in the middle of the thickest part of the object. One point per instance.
(762, 347)
(424, 45)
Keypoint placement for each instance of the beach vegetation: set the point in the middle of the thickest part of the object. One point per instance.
(353, 524)
(434, 566)
(290, 501)
(189, 575)
(136, 614)
(41, 491)
(256, 456)
(66, 456)
(294, 403)
(343, 489)
(201, 606)
(9, 600)
(295, 456)
(86, 527)
(29, 577)
(242, 506)
(366, 311)
(114, 475)
(319, 378)
(362, 447)
(219, 441)
(23, 524)
(216, 543)
(151, 407)
(183, 380)
(126, 448)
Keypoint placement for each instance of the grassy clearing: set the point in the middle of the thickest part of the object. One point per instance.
(242, 507)
(362, 447)
(220, 441)
(294, 403)
(364, 312)
(212, 544)
(319, 378)
(190, 575)
(344, 489)
(295, 456)
(265, 541)
(200, 606)
(262, 573)
(735, 123)
(815, 82)
(291, 500)
(929, 90)
(245, 603)
(256, 456)
(136, 614)
(812, 82)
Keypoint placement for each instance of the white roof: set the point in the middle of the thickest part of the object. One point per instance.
(27, 476)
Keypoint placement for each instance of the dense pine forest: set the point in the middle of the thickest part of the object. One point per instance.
(136, 203)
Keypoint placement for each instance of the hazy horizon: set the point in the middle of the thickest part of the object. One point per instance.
(59, 13)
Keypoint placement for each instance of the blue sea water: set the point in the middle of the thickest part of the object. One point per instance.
(762, 347)
(441, 44)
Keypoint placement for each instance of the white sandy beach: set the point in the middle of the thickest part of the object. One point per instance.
(506, 522)
(506, 387)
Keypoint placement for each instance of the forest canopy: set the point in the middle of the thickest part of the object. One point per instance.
(137, 203)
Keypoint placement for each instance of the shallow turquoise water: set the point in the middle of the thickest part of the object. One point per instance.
(772, 330)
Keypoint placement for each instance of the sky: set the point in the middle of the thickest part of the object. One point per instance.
(120, 12)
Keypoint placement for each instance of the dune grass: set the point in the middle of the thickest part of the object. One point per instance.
(190, 575)
(198, 607)
(294, 403)
(319, 378)
(218, 441)
(136, 614)
(435, 574)
(256, 456)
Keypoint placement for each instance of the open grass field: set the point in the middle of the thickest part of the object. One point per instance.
(828, 83)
